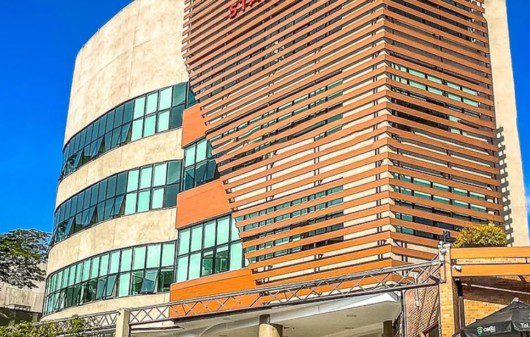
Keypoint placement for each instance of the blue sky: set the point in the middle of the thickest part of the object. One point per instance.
(40, 39)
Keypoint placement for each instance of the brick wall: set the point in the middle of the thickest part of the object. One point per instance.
(422, 310)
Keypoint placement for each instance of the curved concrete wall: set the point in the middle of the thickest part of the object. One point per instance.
(155, 149)
(127, 231)
(136, 52)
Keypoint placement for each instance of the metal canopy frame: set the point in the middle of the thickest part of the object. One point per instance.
(391, 279)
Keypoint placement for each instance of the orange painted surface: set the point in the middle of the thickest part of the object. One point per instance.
(212, 285)
(201, 203)
(230, 282)
(193, 127)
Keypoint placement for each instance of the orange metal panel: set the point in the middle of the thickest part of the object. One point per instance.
(201, 203)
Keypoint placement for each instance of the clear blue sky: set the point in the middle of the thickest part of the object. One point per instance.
(39, 40)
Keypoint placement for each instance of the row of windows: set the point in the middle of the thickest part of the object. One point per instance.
(433, 210)
(144, 116)
(139, 190)
(199, 165)
(209, 248)
(292, 203)
(433, 89)
(423, 221)
(147, 188)
(143, 269)
(441, 187)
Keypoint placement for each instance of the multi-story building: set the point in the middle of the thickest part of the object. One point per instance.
(220, 146)
(20, 305)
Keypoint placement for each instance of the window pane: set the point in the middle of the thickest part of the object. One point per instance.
(125, 281)
(168, 254)
(137, 129)
(149, 282)
(139, 107)
(207, 263)
(163, 121)
(234, 232)
(209, 234)
(160, 175)
(94, 269)
(110, 290)
(184, 241)
(236, 256)
(165, 279)
(182, 269)
(189, 156)
(195, 266)
(121, 185)
(165, 98)
(114, 262)
(143, 201)
(130, 203)
(223, 228)
(173, 172)
(221, 259)
(132, 181)
(152, 102)
(170, 198)
(139, 257)
(78, 272)
(158, 198)
(104, 265)
(86, 270)
(145, 177)
(150, 126)
(126, 259)
(137, 281)
(196, 238)
(201, 150)
(153, 256)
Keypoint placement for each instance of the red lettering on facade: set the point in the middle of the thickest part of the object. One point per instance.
(241, 6)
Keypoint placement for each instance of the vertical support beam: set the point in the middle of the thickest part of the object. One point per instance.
(266, 329)
(122, 323)
(388, 329)
(449, 317)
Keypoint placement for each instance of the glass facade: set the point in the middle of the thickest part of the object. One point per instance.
(147, 188)
(199, 165)
(146, 269)
(209, 248)
(141, 117)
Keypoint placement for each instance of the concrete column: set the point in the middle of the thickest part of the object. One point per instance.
(388, 329)
(122, 323)
(266, 329)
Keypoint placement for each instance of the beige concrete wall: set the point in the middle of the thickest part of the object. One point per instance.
(127, 231)
(31, 298)
(135, 52)
(506, 112)
(155, 149)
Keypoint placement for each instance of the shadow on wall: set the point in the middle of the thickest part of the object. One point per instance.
(505, 186)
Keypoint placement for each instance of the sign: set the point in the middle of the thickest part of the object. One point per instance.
(241, 6)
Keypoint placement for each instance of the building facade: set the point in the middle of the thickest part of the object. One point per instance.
(227, 146)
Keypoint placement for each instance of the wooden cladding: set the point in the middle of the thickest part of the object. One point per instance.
(349, 134)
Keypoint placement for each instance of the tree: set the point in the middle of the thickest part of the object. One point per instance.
(22, 253)
(74, 327)
(481, 236)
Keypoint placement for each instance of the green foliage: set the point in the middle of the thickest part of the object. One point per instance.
(72, 328)
(481, 236)
(22, 253)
